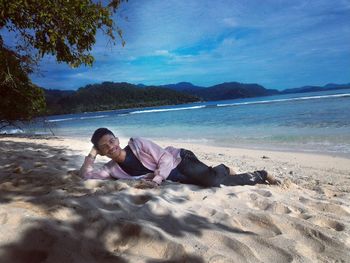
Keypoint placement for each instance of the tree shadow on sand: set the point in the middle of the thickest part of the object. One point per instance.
(61, 218)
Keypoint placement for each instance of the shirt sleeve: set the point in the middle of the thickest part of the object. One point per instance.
(163, 159)
(87, 171)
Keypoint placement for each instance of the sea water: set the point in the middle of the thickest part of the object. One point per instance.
(310, 122)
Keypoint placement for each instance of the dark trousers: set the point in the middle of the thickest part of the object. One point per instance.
(195, 172)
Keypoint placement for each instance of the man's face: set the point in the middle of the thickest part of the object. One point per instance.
(109, 145)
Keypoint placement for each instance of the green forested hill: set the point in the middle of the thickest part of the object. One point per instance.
(109, 96)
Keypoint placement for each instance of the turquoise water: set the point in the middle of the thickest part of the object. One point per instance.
(311, 122)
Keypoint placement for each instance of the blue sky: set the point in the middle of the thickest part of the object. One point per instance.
(276, 43)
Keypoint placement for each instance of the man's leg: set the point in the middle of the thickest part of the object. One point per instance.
(257, 177)
(199, 173)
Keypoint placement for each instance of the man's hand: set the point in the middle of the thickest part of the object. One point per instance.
(148, 176)
(93, 152)
(146, 184)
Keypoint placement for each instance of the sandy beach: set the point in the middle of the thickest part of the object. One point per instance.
(49, 214)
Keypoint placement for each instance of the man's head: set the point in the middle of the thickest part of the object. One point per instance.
(105, 142)
(98, 134)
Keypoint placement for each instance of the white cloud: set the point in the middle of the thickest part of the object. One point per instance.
(162, 52)
(230, 22)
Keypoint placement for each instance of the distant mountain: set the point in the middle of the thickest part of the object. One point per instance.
(233, 90)
(236, 90)
(110, 96)
(316, 88)
(223, 91)
(341, 86)
(183, 86)
(302, 89)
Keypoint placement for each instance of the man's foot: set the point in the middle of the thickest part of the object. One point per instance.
(272, 180)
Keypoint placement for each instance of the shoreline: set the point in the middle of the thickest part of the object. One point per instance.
(265, 147)
(170, 141)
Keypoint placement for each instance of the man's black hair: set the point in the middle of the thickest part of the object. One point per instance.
(98, 134)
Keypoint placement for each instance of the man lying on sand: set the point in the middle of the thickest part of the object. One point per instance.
(144, 160)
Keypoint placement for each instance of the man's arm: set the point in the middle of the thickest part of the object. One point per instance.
(87, 170)
(164, 160)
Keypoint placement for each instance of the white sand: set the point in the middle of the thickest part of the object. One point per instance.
(48, 214)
